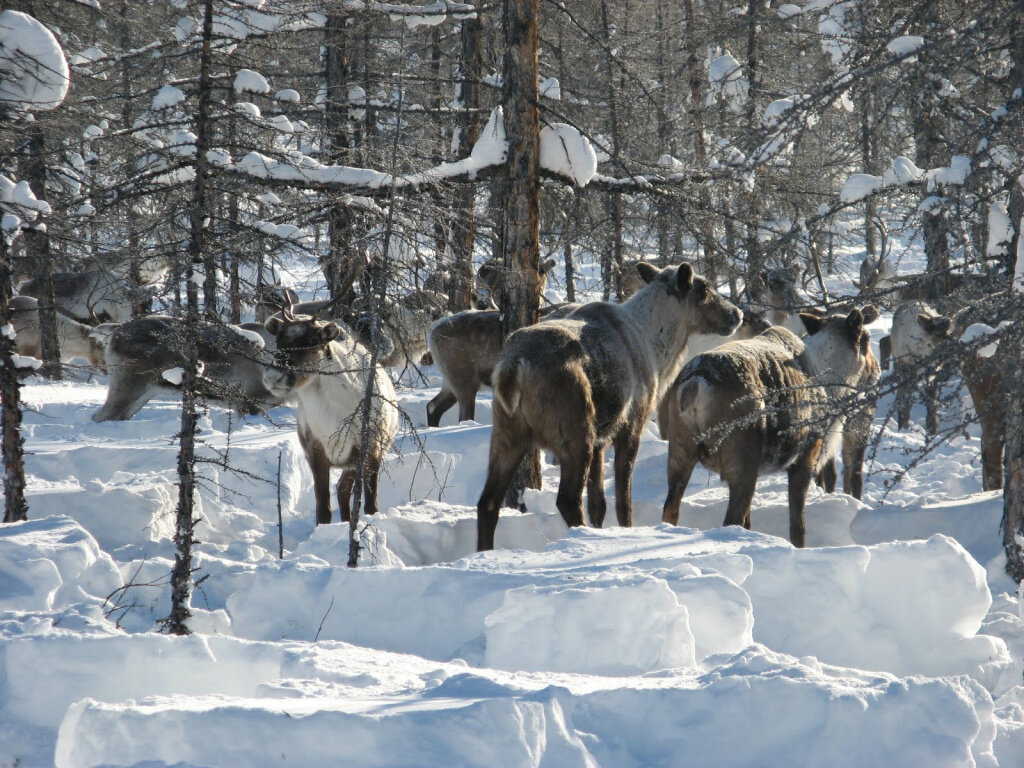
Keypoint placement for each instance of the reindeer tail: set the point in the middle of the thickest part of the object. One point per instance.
(506, 384)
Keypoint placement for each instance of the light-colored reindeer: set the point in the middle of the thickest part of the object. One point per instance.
(73, 336)
(324, 371)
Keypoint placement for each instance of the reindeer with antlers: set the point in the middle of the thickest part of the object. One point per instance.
(321, 368)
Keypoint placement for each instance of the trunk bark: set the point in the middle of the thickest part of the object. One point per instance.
(181, 574)
(340, 219)
(15, 505)
(37, 247)
(520, 245)
(460, 283)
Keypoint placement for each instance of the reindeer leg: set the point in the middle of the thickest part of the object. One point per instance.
(931, 395)
(346, 483)
(903, 399)
(467, 405)
(826, 479)
(371, 472)
(596, 504)
(501, 467)
(321, 470)
(799, 481)
(853, 466)
(741, 495)
(437, 407)
(680, 468)
(626, 447)
(575, 466)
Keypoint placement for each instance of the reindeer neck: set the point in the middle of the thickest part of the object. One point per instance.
(662, 326)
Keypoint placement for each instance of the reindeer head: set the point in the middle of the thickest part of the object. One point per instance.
(837, 345)
(490, 282)
(697, 306)
(302, 342)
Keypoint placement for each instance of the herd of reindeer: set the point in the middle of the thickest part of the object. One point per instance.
(743, 392)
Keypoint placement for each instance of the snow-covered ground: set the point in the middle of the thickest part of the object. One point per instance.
(894, 639)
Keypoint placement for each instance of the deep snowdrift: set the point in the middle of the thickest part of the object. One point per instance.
(879, 645)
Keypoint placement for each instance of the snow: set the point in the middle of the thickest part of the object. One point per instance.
(902, 171)
(253, 82)
(894, 639)
(565, 151)
(550, 88)
(288, 96)
(977, 331)
(33, 71)
(168, 96)
(1000, 230)
(726, 77)
(905, 45)
(858, 186)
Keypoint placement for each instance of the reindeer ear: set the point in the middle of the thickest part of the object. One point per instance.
(813, 323)
(870, 312)
(684, 276)
(936, 326)
(855, 322)
(488, 274)
(329, 332)
(647, 273)
(547, 266)
(273, 324)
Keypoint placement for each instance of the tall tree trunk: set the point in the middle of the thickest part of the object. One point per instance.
(15, 505)
(181, 574)
(611, 261)
(37, 247)
(460, 285)
(340, 219)
(755, 258)
(520, 244)
(930, 151)
(695, 79)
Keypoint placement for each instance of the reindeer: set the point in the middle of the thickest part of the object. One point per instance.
(325, 371)
(490, 282)
(985, 373)
(857, 430)
(775, 289)
(754, 323)
(399, 333)
(575, 384)
(916, 332)
(91, 297)
(465, 348)
(141, 353)
(758, 406)
(73, 337)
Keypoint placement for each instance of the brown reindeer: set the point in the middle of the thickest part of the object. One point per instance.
(985, 374)
(575, 384)
(490, 282)
(758, 406)
(465, 348)
(141, 355)
(754, 323)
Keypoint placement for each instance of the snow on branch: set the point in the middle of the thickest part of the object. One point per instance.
(33, 71)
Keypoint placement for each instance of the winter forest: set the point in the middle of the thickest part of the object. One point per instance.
(720, 303)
